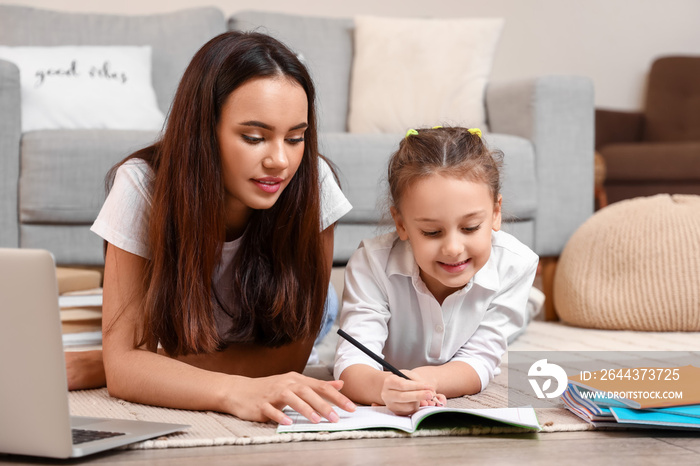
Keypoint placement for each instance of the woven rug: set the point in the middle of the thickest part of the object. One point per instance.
(211, 428)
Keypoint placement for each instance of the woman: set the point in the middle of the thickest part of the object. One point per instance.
(219, 245)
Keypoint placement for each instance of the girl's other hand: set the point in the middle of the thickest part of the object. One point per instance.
(262, 399)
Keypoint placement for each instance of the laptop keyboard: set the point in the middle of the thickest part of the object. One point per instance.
(82, 435)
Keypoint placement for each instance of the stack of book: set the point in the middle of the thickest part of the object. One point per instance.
(664, 404)
(80, 303)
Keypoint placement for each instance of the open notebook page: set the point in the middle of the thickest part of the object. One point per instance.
(380, 417)
(364, 417)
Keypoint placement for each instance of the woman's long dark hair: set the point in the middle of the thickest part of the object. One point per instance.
(280, 272)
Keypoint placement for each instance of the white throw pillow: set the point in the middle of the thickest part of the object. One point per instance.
(410, 73)
(70, 87)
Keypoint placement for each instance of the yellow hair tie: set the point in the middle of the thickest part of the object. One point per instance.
(437, 127)
(411, 132)
(476, 131)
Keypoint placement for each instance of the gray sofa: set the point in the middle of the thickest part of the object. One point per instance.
(51, 182)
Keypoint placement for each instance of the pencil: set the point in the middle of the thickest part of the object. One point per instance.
(377, 358)
(371, 354)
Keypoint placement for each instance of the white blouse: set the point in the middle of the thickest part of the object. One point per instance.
(388, 308)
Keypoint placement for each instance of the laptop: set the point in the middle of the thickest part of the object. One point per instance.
(34, 414)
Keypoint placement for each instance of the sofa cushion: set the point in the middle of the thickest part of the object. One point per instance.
(325, 47)
(673, 100)
(10, 135)
(415, 72)
(362, 162)
(70, 244)
(518, 177)
(174, 37)
(63, 172)
(679, 161)
(86, 87)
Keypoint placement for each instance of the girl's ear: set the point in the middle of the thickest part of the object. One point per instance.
(497, 214)
(398, 221)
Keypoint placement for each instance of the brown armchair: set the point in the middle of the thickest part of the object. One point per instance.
(656, 150)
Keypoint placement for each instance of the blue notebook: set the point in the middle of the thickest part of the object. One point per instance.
(692, 410)
(654, 418)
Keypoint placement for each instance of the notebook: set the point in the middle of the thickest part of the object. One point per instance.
(34, 413)
(380, 417)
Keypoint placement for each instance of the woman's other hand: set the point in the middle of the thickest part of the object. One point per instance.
(262, 399)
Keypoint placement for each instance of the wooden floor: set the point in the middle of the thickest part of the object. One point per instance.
(566, 448)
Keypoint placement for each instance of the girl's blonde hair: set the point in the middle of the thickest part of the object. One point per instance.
(448, 151)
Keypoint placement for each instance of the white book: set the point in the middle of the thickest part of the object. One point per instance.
(80, 300)
(82, 339)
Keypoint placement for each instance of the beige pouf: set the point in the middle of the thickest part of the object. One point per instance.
(634, 265)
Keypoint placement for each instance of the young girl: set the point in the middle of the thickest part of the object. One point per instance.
(439, 297)
(219, 244)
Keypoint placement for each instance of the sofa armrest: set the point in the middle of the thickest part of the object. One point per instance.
(556, 113)
(10, 134)
(613, 126)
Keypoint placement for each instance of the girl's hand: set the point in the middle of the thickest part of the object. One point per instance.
(404, 397)
(262, 399)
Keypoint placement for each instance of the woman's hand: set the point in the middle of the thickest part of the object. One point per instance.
(262, 399)
(403, 396)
